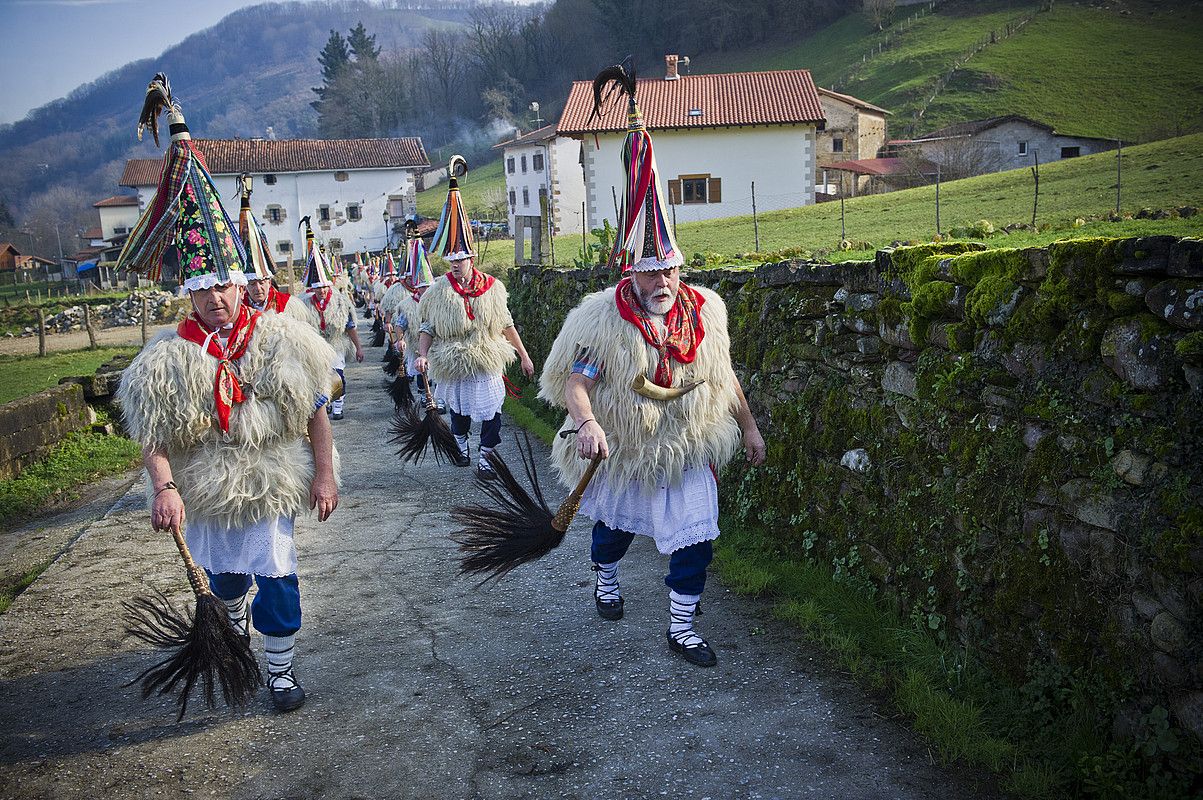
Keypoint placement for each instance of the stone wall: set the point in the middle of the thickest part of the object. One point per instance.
(1007, 444)
(29, 427)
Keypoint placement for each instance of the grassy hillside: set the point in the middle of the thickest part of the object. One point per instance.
(1160, 175)
(1086, 70)
(473, 189)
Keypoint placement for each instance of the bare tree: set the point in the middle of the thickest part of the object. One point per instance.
(441, 65)
(879, 12)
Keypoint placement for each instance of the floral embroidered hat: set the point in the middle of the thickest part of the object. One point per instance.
(185, 222)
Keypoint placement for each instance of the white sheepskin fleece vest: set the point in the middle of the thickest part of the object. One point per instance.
(392, 298)
(338, 310)
(465, 347)
(298, 310)
(413, 317)
(263, 467)
(650, 440)
(377, 290)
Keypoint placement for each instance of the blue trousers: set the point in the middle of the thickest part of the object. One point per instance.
(276, 609)
(490, 429)
(686, 567)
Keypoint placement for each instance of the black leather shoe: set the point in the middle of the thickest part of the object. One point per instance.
(609, 609)
(287, 699)
(485, 474)
(697, 653)
(461, 460)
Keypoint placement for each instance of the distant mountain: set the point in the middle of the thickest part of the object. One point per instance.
(251, 71)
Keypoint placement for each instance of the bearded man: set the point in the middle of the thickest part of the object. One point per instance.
(644, 372)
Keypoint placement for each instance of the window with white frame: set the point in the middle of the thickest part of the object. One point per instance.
(537, 162)
(1023, 148)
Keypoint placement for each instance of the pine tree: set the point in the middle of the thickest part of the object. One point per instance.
(334, 57)
(363, 47)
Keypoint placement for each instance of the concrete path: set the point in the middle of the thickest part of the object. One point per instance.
(422, 686)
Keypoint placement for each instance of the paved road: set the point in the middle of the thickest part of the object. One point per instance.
(422, 686)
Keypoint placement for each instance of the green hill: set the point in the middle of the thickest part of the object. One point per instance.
(474, 188)
(1129, 70)
(1076, 197)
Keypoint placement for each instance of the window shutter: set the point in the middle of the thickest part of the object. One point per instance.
(674, 191)
(714, 190)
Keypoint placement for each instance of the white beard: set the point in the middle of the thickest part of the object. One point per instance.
(655, 306)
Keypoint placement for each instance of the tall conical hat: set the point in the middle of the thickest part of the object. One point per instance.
(316, 272)
(186, 215)
(453, 238)
(645, 241)
(253, 238)
(390, 269)
(417, 265)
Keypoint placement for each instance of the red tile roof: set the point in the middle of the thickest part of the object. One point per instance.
(540, 135)
(883, 166)
(235, 156)
(92, 233)
(853, 101)
(118, 200)
(777, 97)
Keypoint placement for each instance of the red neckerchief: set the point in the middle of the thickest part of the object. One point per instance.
(276, 300)
(479, 284)
(321, 307)
(226, 389)
(684, 323)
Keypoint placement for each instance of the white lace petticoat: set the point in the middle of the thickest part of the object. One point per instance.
(260, 548)
(479, 397)
(675, 516)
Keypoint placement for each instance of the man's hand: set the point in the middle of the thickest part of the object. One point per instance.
(591, 440)
(528, 366)
(167, 511)
(420, 364)
(754, 445)
(323, 495)
(358, 353)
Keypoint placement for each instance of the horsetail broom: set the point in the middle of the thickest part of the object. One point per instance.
(204, 648)
(412, 433)
(519, 527)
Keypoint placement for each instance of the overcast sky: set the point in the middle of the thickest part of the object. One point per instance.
(52, 46)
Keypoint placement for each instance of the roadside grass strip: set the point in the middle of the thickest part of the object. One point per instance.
(11, 588)
(21, 376)
(79, 459)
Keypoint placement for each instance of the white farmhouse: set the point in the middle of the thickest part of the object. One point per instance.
(542, 166)
(714, 135)
(355, 191)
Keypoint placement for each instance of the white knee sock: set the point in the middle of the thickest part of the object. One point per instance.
(236, 609)
(279, 650)
(607, 589)
(681, 608)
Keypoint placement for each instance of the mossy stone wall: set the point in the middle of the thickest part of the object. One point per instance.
(1008, 444)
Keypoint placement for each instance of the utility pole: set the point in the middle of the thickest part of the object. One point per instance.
(755, 222)
(937, 199)
(1036, 176)
(1119, 175)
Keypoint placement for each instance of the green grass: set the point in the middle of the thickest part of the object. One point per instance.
(950, 701)
(78, 459)
(523, 417)
(21, 376)
(1159, 175)
(12, 587)
(473, 188)
(1084, 70)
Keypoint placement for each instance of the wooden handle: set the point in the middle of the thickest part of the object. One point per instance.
(567, 510)
(196, 575)
(430, 404)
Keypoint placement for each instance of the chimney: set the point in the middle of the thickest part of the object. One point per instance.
(670, 67)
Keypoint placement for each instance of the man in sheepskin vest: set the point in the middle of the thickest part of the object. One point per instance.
(467, 336)
(335, 316)
(401, 304)
(644, 371)
(261, 291)
(227, 410)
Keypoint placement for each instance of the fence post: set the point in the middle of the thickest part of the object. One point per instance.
(843, 230)
(938, 199)
(585, 227)
(42, 333)
(1036, 176)
(755, 222)
(88, 326)
(144, 304)
(1119, 175)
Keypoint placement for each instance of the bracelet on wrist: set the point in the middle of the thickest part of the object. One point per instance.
(165, 487)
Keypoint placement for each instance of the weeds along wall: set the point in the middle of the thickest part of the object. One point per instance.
(1007, 444)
